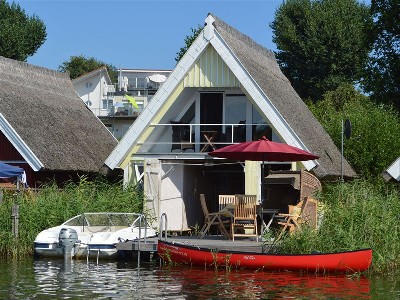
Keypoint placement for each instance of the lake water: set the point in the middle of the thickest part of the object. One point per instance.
(59, 279)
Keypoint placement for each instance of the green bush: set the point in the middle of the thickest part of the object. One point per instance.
(357, 215)
(375, 140)
(52, 206)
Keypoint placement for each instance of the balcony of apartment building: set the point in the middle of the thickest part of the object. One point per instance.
(143, 84)
(125, 110)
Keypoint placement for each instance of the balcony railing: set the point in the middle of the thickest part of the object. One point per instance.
(141, 83)
(127, 111)
(202, 138)
(108, 90)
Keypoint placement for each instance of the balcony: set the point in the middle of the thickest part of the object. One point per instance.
(109, 90)
(199, 139)
(127, 110)
(142, 83)
(115, 112)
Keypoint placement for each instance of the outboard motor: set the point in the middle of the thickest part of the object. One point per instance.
(67, 239)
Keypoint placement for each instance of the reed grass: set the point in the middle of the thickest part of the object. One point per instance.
(51, 206)
(356, 215)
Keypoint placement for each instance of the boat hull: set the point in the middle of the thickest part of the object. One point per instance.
(92, 235)
(351, 261)
(54, 250)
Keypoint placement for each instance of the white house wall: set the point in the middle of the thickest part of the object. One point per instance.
(91, 91)
(118, 127)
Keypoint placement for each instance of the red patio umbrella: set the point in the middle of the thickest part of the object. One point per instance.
(263, 150)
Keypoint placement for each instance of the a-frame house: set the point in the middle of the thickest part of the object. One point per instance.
(225, 89)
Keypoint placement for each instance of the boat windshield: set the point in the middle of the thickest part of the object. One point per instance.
(107, 219)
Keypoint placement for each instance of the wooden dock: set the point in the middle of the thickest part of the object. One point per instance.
(150, 245)
(210, 242)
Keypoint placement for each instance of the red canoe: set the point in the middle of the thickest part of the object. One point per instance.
(351, 261)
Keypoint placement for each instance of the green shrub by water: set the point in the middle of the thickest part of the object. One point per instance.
(52, 206)
(357, 215)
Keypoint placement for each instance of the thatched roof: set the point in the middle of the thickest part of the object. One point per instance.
(264, 69)
(43, 108)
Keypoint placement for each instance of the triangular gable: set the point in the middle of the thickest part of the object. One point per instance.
(210, 70)
(19, 144)
(208, 49)
(102, 70)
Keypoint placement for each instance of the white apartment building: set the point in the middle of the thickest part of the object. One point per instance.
(108, 101)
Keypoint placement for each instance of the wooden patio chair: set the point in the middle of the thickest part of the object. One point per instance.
(211, 219)
(304, 213)
(225, 200)
(245, 216)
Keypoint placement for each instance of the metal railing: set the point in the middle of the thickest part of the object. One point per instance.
(126, 111)
(163, 226)
(198, 136)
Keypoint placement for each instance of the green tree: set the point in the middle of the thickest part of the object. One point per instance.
(375, 140)
(20, 35)
(321, 43)
(189, 39)
(80, 65)
(382, 78)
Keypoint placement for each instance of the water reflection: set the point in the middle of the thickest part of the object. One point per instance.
(109, 280)
(261, 285)
(57, 279)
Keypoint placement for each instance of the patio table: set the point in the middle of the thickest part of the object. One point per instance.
(269, 212)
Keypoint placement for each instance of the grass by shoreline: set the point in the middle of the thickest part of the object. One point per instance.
(358, 214)
(52, 206)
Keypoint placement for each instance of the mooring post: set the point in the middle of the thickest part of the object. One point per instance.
(15, 219)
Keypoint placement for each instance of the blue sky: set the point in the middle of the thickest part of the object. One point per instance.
(138, 34)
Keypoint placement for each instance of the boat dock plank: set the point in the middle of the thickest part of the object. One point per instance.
(211, 242)
(150, 245)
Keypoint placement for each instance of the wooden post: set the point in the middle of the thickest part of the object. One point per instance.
(15, 219)
(1, 196)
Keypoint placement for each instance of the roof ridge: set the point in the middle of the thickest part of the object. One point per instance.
(244, 38)
(103, 67)
(37, 69)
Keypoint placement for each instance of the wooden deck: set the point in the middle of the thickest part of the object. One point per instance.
(211, 242)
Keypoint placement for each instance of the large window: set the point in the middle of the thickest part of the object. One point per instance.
(235, 109)
(235, 113)
(261, 127)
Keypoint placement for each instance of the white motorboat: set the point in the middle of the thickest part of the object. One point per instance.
(92, 235)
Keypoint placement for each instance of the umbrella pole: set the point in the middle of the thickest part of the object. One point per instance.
(262, 184)
(263, 189)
